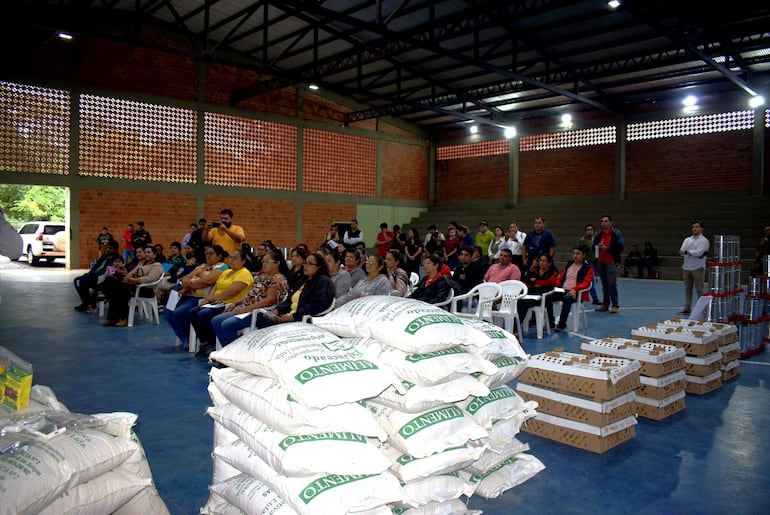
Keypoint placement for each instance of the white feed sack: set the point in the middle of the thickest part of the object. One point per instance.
(216, 505)
(508, 369)
(418, 398)
(266, 400)
(502, 343)
(427, 432)
(502, 403)
(32, 478)
(453, 507)
(506, 475)
(437, 366)
(411, 326)
(503, 431)
(303, 455)
(408, 468)
(437, 488)
(492, 458)
(332, 494)
(314, 365)
(248, 495)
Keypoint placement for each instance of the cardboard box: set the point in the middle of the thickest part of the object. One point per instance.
(15, 380)
(728, 333)
(703, 366)
(658, 409)
(600, 379)
(694, 343)
(579, 409)
(656, 359)
(730, 370)
(702, 385)
(730, 352)
(662, 387)
(583, 436)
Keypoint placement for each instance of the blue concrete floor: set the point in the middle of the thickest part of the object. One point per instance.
(713, 458)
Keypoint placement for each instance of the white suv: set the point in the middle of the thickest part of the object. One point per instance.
(43, 240)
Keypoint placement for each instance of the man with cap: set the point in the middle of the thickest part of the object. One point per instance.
(484, 238)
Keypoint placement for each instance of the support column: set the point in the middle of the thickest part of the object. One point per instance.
(758, 158)
(620, 157)
(513, 172)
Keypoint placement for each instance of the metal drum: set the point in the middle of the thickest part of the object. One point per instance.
(722, 251)
(754, 287)
(766, 265)
(717, 310)
(717, 279)
(754, 308)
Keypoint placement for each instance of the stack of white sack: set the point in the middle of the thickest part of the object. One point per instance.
(86, 464)
(386, 405)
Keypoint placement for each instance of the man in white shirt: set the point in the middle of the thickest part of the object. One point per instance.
(353, 235)
(513, 241)
(695, 251)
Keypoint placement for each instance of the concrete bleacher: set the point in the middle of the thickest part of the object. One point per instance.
(661, 218)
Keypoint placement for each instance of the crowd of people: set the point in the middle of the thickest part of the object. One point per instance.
(219, 285)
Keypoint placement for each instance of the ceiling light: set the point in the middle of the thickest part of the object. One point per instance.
(314, 87)
(689, 101)
(474, 129)
(614, 4)
(64, 36)
(757, 101)
(510, 132)
(566, 118)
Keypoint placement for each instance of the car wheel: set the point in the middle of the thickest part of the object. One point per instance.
(31, 258)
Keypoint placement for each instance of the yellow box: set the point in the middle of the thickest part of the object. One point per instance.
(17, 384)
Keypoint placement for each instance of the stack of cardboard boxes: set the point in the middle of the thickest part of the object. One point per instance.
(703, 360)
(584, 402)
(728, 342)
(662, 375)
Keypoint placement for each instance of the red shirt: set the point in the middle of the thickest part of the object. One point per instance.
(604, 255)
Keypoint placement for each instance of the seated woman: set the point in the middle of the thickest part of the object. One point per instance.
(399, 280)
(269, 287)
(340, 277)
(353, 266)
(375, 283)
(193, 287)
(541, 278)
(231, 287)
(297, 256)
(119, 292)
(434, 287)
(314, 295)
(576, 276)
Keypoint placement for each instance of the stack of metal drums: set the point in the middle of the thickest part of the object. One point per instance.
(753, 323)
(724, 279)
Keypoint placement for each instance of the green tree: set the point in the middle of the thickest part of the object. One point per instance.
(23, 203)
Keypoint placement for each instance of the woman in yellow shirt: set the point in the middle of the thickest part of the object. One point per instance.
(231, 286)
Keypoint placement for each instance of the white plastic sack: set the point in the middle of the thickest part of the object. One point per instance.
(103, 494)
(506, 475)
(508, 369)
(418, 398)
(250, 495)
(491, 459)
(501, 403)
(435, 367)
(315, 366)
(428, 432)
(32, 478)
(502, 343)
(266, 400)
(216, 505)
(503, 431)
(411, 326)
(453, 507)
(437, 488)
(320, 453)
(319, 494)
(408, 468)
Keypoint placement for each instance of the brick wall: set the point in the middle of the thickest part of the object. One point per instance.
(404, 171)
(705, 162)
(166, 216)
(318, 216)
(569, 171)
(472, 178)
(261, 219)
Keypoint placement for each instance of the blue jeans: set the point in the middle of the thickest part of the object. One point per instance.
(594, 296)
(180, 318)
(227, 325)
(202, 324)
(128, 255)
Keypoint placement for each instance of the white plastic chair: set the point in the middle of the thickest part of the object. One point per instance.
(511, 292)
(414, 279)
(577, 309)
(448, 300)
(148, 305)
(539, 312)
(480, 298)
(308, 318)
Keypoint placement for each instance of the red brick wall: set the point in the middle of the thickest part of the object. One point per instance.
(261, 219)
(404, 171)
(318, 216)
(705, 162)
(221, 81)
(166, 216)
(570, 171)
(472, 178)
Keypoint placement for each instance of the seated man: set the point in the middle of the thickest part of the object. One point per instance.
(88, 283)
(649, 258)
(504, 270)
(576, 276)
(633, 260)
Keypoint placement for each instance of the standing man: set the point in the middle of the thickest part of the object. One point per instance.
(140, 237)
(353, 235)
(128, 248)
(610, 243)
(514, 241)
(196, 241)
(695, 250)
(586, 244)
(538, 242)
(484, 237)
(383, 241)
(224, 233)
